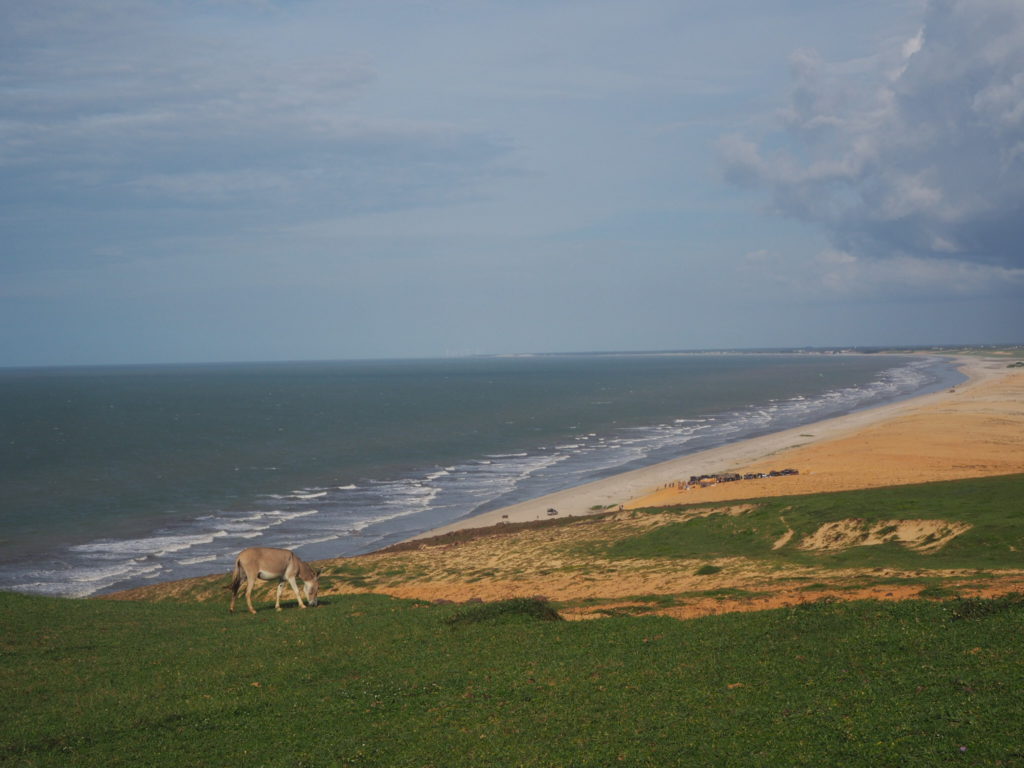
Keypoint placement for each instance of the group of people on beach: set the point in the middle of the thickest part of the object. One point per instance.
(703, 481)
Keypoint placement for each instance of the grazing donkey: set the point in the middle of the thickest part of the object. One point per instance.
(269, 564)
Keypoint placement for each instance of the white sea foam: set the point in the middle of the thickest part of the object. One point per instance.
(197, 560)
(85, 580)
(155, 545)
(322, 539)
(278, 516)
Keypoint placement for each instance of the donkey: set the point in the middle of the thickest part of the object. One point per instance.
(269, 564)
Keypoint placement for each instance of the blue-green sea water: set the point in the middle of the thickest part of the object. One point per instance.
(115, 477)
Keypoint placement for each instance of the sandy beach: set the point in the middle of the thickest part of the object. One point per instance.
(973, 430)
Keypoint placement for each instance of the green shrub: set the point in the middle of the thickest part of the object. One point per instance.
(979, 607)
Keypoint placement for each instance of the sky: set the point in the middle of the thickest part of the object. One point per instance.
(230, 180)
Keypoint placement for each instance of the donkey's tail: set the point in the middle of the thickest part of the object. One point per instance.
(236, 579)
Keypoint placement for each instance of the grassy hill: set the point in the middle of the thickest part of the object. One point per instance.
(375, 680)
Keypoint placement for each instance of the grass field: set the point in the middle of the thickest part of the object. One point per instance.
(371, 680)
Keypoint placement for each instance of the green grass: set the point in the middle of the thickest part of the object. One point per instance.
(366, 680)
(991, 505)
(370, 681)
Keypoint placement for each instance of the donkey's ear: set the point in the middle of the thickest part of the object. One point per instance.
(319, 571)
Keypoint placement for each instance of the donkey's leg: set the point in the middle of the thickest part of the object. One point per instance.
(250, 582)
(295, 589)
(280, 586)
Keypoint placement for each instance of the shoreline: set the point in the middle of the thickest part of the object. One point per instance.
(653, 485)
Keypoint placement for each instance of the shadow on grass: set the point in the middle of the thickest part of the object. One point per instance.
(519, 608)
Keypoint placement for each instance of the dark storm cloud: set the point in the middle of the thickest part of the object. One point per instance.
(918, 152)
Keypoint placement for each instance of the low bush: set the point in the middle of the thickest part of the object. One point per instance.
(976, 607)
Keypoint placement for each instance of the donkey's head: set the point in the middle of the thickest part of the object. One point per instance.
(312, 587)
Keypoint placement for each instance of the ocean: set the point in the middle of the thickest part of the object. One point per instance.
(115, 477)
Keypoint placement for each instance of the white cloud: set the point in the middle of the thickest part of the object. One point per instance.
(914, 154)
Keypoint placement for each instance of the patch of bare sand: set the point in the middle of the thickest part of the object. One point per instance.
(783, 540)
(922, 535)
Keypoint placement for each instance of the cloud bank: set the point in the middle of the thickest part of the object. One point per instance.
(912, 160)
(120, 115)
